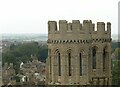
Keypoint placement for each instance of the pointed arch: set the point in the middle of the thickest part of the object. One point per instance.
(58, 61)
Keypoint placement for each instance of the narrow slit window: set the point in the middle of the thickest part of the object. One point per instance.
(69, 64)
(59, 64)
(105, 54)
(94, 58)
(80, 64)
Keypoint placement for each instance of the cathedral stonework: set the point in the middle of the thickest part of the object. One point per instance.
(78, 54)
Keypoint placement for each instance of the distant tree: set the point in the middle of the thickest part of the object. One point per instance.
(12, 46)
(114, 45)
(117, 53)
(42, 52)
(26, 49)
(116, 73)
(8, 57)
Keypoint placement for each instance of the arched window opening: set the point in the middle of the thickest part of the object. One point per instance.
(94, 58)
(59, 65)
(80, 64)
(58, 62)
(69, 63)
(105, 55)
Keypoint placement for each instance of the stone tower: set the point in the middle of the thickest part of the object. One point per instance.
(78, 54)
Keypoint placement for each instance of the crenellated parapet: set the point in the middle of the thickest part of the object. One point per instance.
(78, 31)
(87, 26)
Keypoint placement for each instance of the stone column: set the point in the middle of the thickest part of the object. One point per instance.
(77, 69)
(50, 69)
(63, 69)
(85, 66)
(53, 69)
(47, 80)
(90, 65)
(99, 63)
(73, 68)
(107, 68)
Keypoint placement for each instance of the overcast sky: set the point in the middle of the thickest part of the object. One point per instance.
(31, 16)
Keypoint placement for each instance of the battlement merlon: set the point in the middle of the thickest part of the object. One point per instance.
(52, 26)
(109, 27)
(87, 27)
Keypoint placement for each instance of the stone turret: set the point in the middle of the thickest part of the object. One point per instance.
(78, 53)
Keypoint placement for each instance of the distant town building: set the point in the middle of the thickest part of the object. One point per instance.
(8, 74)
(33, 72)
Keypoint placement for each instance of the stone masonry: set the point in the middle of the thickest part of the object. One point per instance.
(78, 54)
